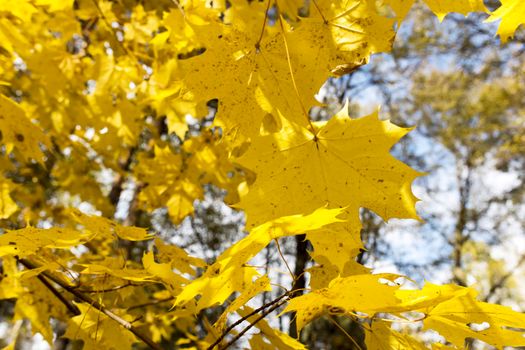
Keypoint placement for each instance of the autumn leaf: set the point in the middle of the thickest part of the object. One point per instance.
(441, 8)
(277, 339)
(380, 336)
(7, 206)
(230, 273)
(512, 15)
(345, 163)
(454, 318)
(363, 293)
(97, 330)
(261, 65)
(104, 227)
(30, 240)
(262, 284)
(19, 133)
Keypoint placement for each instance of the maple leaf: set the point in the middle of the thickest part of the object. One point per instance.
(453, 318)
(278, 339)
(262, 284)
(512, 15)
(229, 273)
(38, 304)
(34, 301)
(255, 77)
(260, 65)
(129, 274)
(338, 244)
(344, 164)
(338, 37)
(361, 293)
(163, 272)
(18, 131)
(96, 330)
(441, 8)
(7, 206)
(22, 9)
(380, 336)
(177, 257)
(30, 240)
(202, 160)
(104, 227)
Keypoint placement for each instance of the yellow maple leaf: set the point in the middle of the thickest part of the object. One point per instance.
(262, 284)
(440, 8)
(230, 273)
(164, 273)
(380, 336)
(512, 15)
(443, 7)
(337, 244)
(22, 9)
(7, 206)
(19, 133)
(29, 240)
(278, 339)
(500, 325)
(250, 76)
(338, 37)
(38, 304)
(98, 331)
(261, 66)
(98, 225)
(345, 164)
(177, 257)
(135, 275)
(361, 293)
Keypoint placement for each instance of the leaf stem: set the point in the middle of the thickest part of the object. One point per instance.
(284, 260)
(283, 32)
(258, 43)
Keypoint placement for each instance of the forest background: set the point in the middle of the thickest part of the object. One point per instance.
(114, 133)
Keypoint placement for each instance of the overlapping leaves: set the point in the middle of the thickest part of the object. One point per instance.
(264, 63)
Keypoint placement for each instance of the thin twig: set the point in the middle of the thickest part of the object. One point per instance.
(503, 280)
(345, 332)
(107, 290)
(68, 304)
(153, 302)
(244, 318)
(28, 264)
(252, 324)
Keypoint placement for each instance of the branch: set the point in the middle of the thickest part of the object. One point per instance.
(69, 305)
(503, 279)
(242, 319)
(263, 315)
(107, 290)
(28, 264)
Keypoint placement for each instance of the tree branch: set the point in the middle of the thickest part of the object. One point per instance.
(69, 305)
(252, 324)
(29, 265)
(153, 302)
(244, 318)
